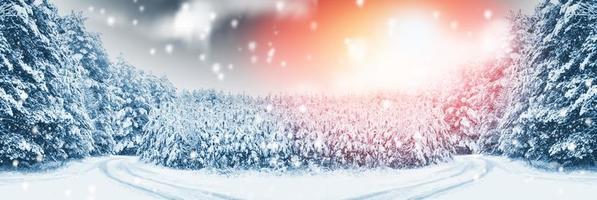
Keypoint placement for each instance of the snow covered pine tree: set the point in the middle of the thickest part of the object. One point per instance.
(553, 117)
(42, 116)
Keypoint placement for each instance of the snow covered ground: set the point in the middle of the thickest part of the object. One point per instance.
(467, 177)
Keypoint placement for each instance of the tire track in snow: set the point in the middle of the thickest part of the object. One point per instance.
(110, 174)
(470, 173)
(538, 175)
(487, 167)
(155, 186)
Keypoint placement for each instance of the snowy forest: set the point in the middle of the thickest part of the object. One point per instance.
(63, 98)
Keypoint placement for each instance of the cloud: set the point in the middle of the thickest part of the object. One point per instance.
(195, 20)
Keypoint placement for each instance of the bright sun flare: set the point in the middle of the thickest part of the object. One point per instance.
(413, 51)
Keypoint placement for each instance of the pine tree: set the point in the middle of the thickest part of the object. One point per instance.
(42, 116)
(552, 120)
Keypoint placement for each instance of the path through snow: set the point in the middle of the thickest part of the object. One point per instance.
(467, 177)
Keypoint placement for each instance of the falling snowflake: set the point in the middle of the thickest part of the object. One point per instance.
(215, 68)
(280, 5)
(152, 51)
(571, 146)
(386, 104)
(269, 107)
(193, 155)
(135, 22)
(15, 163)
(111, 21)
(252, 46)
(202, 57)
(39, 158)
(169, 48)
(221, 76)
(302, 108)
(234, 23)
(213, 16)
(360, 3)
(488, 14)
(313, 26)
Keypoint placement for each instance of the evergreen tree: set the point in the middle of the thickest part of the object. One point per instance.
(42, 116)
(552, 120)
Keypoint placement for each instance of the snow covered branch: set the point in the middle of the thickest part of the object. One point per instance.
(589, 10)
(5, 11)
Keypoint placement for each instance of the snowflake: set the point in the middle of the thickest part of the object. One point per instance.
(269, 107)
(169, 48)
(360, 3)
(141, 8)
(234, 23)
(386, 104)
(186, 6)
(230, 66)
(313, 26)
(252, 46)
(15, 163)
(215, 68)
(193, 155)
(283, 64)
(202, 57)
(571, 146)
(111, 21)
(213, 16)
(91, 9)
(152, 51)
(271, 52)
(302, 108)
(135, 22)
(221, 77)
(515, 142)
(488, 14)
(280, 5)
(39, 158)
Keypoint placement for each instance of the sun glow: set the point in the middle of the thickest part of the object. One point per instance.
(414, 52)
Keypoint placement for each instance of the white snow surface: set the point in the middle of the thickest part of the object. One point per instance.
(467, 177)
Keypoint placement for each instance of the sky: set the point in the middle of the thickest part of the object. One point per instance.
(272, 46)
